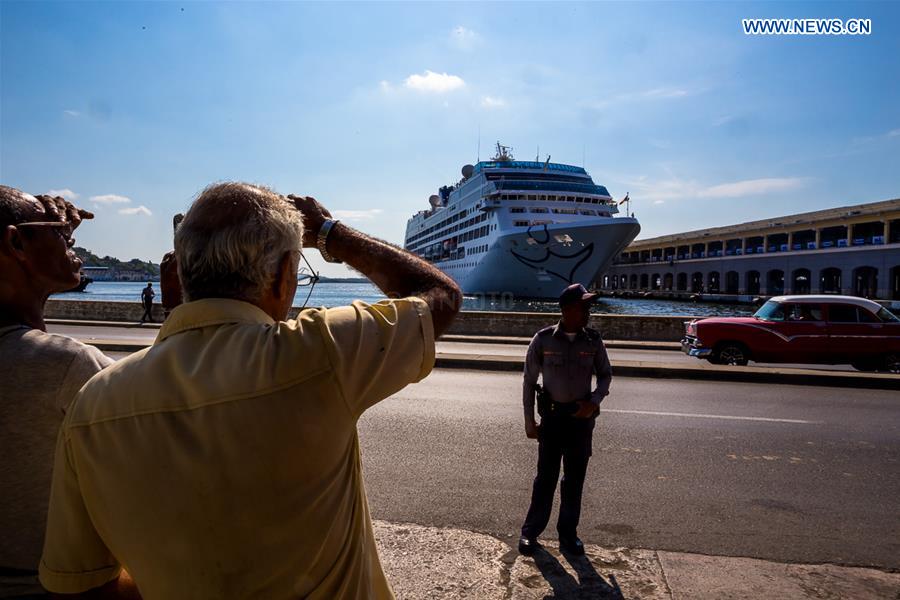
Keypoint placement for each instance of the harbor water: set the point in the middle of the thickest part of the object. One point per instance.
(331, 294)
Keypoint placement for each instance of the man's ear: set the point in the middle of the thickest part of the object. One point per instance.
(11, 243)
(287, 271)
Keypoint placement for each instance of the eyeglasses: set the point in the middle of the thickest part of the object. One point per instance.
(307, 277)
(63, 230)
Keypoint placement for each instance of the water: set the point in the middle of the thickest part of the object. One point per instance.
(338, 294)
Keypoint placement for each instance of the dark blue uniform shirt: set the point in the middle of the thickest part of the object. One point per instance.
(567, 366)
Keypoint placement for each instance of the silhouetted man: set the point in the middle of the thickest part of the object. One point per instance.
(40, 373)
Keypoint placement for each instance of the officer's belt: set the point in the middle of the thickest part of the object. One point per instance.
(547, 407)
(562, 409)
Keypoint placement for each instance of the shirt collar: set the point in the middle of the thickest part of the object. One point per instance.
(211, 311)
(559, 332)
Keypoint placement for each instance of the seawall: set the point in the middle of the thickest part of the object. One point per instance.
(514, 324)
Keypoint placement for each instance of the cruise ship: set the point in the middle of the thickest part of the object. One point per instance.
(523, 228)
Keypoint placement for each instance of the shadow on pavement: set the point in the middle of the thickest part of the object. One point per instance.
(565, 587)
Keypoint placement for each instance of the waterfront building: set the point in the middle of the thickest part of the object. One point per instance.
(849, 250)
(97, 273)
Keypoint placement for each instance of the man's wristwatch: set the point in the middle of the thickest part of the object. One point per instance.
(322, 239)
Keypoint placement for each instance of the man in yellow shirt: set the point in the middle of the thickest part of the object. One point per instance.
(223, 461)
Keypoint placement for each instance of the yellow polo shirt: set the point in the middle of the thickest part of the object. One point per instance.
(223, 461)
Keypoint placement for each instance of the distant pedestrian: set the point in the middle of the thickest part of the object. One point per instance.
(40, 373)
(566, 356)
(147, 296)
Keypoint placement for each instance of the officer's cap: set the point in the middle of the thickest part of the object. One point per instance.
(575, 293)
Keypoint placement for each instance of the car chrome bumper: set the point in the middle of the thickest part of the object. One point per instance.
(689, 347)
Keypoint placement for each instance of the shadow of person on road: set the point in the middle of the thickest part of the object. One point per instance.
(589, 585)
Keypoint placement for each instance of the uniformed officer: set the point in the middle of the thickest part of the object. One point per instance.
(566, 355)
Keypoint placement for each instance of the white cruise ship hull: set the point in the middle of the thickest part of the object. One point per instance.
(540, 261)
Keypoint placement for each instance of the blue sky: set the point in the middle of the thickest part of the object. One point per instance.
(134, 107)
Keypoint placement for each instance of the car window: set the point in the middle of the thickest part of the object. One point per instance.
(887, 316)
(803, 312)
(770, 311)
(866, 317)
(842, 313)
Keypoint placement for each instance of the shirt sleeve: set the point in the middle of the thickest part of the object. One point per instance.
(75, 559)
(533, 360)
(603, 370)
(87, 361)
(378, 349)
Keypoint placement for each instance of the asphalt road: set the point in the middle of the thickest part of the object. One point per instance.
(791, 473)
(786, 473)
(147, 335)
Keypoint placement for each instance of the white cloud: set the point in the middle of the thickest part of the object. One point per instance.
(491, 102)
(72, 113)
(659, 93)
(110, 199)
(357, 215)
(893, 133)
(664, 92)
(675, 188)
(64, 193)
(723, 120)
(136, 210)
(432, 82)
(464, 39)
(752, 187)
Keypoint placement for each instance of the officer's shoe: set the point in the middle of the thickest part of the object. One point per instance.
(571, 545)
(528, 546)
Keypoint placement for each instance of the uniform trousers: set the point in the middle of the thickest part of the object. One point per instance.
(563, 439)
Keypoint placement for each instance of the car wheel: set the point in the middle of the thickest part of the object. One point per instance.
(891, 363)
(731, 353)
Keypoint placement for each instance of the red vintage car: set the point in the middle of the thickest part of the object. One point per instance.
(802, 329)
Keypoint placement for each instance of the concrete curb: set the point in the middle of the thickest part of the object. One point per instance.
(707, 373)
(122, 324)
(470, 339)
(485, 362)
(522, 341)
(441, 562)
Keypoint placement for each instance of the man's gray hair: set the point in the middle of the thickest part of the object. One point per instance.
(232, 239)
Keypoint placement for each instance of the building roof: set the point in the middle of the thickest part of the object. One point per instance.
(776, 224)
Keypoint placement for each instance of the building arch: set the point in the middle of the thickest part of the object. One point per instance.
(655, 281)
(753, 286)
(775, 282)
(712, 282)
(633, 282)
(894, 289)
(801, 281)
(697, 282)
(732, 282)
(865, 282)
(645, 281)
(681, 282)
(668, 279)
(830, 281)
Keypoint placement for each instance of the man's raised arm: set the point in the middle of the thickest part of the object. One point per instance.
(396, 272)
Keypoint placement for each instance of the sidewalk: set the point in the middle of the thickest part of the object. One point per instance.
(431, 562)
(631, 368)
